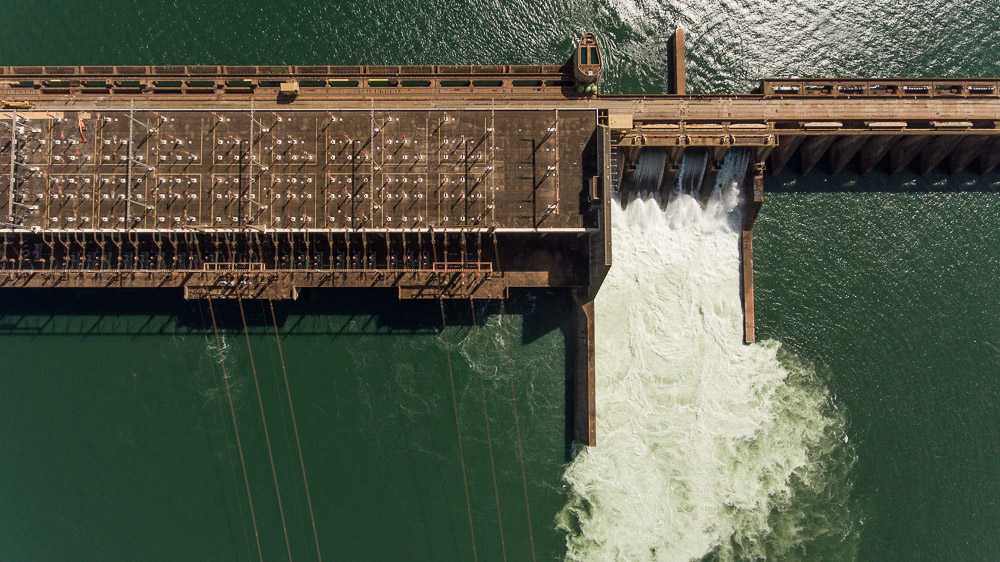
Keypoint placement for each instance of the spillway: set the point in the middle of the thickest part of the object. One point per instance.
(708, 445)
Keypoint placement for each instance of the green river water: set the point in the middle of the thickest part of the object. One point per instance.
(116, 439)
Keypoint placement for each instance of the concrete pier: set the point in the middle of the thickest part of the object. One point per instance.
(936, 151)
(874, 150)
(584, 370)
(843, 151)
(905, 151)
(754, 197)
(812, 150)
(965, 153)
(787, 145)
(746, 277)
(989, 156)
(678, 67)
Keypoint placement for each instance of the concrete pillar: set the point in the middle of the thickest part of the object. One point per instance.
(904, 151)
(936, 151)
(843, 150)
(584, 370)
(754, 196)
(874, 150)
(746, 274)
(719, 153)
(787, 145)
(677, 154)
(965, 152)
(760, 153)
(812, 151)
(669, 177)
(708, 181)
(678, 84)
(989, 157)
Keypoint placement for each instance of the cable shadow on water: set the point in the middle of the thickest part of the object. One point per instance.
(133, 313)
(529, 338)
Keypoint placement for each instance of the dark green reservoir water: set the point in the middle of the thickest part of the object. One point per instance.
(116, 441)
(893, 298)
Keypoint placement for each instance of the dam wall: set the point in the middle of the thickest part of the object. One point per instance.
(436, 181)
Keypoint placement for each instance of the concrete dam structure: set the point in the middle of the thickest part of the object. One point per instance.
(440, 182)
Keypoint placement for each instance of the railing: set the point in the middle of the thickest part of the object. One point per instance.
(278, 71)
(462, 266)
(881, 88)
(237, 79)
(234, 266)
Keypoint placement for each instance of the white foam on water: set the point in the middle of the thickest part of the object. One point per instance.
(704, 443)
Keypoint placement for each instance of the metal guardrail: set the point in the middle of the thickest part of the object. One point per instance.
(195, 79)
(276, 71)
(452, 266)
(881, 88)
(234, 266)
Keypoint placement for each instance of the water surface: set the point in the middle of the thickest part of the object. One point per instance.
(116, 442)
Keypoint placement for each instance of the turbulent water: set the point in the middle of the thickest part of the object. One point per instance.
(113, 402)
(707, 446)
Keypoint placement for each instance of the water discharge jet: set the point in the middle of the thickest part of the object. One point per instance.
(706, 443)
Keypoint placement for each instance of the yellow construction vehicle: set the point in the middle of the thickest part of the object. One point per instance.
(8, 104)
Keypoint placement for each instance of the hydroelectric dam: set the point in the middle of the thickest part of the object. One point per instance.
(441, 182)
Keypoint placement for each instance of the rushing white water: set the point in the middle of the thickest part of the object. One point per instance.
(706, 446)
